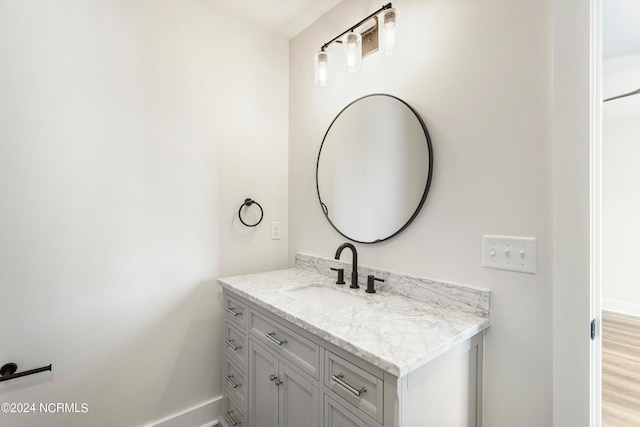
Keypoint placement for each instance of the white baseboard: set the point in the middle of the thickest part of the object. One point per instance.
(202, 415)
(621, 307)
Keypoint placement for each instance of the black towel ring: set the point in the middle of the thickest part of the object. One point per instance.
(247, 203)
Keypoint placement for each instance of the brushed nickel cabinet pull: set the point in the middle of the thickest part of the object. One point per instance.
(233, 422)
(275, 379)
(350, 388)
(232, 345)
(272, 337)
(233, 383)
(233, 311)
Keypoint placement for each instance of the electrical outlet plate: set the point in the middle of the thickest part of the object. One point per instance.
(275, 230)
(509, 253)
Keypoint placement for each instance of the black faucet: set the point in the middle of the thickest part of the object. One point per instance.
(354, 272)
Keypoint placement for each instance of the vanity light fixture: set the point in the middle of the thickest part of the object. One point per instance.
(359, 40)
(353, 44)
(322, 69)
(389, 17)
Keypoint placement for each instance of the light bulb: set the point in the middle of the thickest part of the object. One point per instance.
(389, 18)
(322, 68)
(353, 44)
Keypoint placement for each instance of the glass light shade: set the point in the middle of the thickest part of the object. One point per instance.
(353, 44)
(389, 18)
(322, 68)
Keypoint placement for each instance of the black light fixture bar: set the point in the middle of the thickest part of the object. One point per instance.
(385, 7)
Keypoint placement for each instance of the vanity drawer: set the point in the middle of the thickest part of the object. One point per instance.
(236, 345)
(293, 346)
(235, 381)
(234, 414)
(360, 388)
(235, 311)
(336, 415)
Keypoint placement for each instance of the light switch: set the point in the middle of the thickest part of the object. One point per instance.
(509, 253)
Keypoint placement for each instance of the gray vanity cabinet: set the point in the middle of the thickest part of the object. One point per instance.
(271, 372)
(235, 362)
(299, 399)
(337, 415)
(263, 394)
(280, 375)
(279, 395)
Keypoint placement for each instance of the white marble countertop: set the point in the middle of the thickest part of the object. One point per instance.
(394, 332)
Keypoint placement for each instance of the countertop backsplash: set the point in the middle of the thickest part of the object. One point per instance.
(461, 297)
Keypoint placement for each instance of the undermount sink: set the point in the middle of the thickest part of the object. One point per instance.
(325, 297)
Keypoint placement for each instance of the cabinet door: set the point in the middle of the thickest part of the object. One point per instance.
(336, 415)
(263, 390)
(299, 400)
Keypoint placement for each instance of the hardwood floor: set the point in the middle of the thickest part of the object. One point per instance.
(620, 370)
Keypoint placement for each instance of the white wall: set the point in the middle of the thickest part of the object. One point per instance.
(620, 183)
(479, 73)
(130, 134)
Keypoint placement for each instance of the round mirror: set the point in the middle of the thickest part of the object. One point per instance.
(374, 168)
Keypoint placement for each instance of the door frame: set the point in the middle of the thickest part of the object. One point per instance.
(576, 156)
(595, 184)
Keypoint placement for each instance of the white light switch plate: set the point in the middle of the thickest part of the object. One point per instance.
(509, 253)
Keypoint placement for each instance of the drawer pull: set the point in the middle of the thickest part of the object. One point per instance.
(233, 311)
(233, 383)
(350, 389)
(275, 379)
(272, 337)
(232, 345)
(233, 422)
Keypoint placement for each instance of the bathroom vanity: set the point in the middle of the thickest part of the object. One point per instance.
(302, 351)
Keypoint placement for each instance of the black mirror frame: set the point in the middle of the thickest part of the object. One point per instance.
(427, 186)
